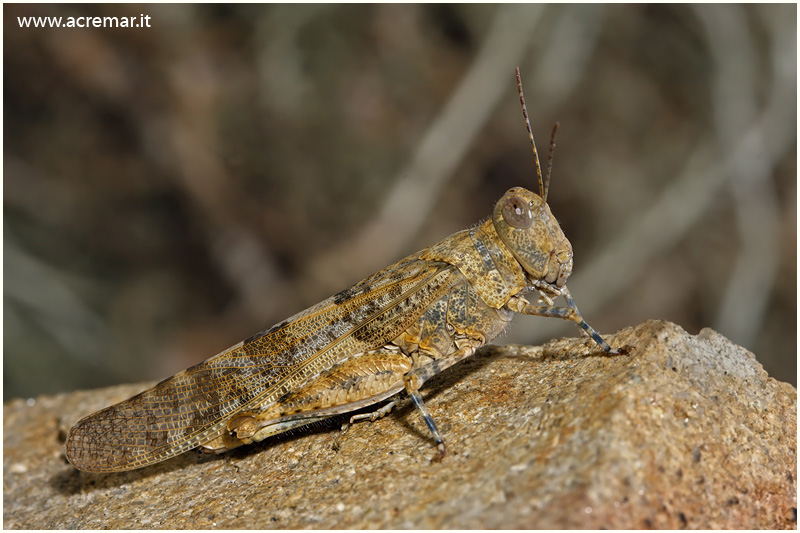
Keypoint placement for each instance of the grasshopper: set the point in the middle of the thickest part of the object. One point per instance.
(385, 335)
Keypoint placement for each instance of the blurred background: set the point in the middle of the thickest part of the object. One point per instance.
(170, 191)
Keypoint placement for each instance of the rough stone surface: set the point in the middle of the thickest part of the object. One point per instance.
(685, 432)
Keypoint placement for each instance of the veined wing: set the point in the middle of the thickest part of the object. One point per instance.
(193, 406)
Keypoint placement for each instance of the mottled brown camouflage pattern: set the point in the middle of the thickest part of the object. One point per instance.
(386, 334)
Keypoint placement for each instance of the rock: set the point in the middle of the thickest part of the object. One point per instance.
(684, 432)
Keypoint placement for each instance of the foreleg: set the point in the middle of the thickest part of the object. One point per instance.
(520, 305)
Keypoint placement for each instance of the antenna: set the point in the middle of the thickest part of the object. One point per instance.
(543, 184)
(550, 155)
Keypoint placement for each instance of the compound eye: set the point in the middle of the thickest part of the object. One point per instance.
(517, 212)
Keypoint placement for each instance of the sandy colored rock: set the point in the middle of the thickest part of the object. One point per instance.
(685, 432)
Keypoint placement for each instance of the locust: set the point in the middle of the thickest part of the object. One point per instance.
(367, 345)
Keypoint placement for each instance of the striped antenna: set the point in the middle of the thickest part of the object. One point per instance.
(543, 184)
